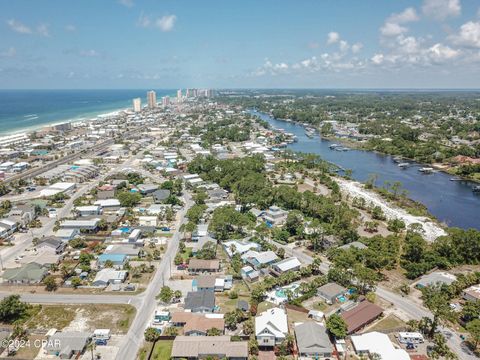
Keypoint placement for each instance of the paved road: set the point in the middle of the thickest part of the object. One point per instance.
(146, 309)
(413, 310)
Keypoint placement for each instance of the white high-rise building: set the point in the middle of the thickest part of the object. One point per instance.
(166, 100)
(179, 95)
(152, 99)
(137, 104)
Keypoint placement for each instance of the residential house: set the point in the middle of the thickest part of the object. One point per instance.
(288, 264)
(117, 260)
(109, 276)
(105, 192)
(249, 273)
(436, 277)
(275, 216)
(90, 210)
(313, 341)
(259, 259)
(52, 244)
(195, 324)
(87, 225)
(271, 327)
(201, 347)
(160, 195)
(31, 273)
(472, 293)
(146, 189)
(148, 221)
(239, 247)
(67, 345)
(361, 315)
(201, 265)
(200, 301)
(377, 343)
(108, 204)
(331, 292)
(67, 234)
(204, 283)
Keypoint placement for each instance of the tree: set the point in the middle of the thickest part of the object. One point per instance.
(12, 309)
(166, 294)
(171, 331)
(473, 327)
(151, 334)
(437, 302)
(214, 332)
(129, 199)
(50, 283)
(337, 326)
(440, 349)
(178, 259)
(76, 282)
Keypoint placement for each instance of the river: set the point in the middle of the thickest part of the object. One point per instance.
(451, 202)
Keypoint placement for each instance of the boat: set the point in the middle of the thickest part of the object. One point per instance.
(476, 189)
(456, 179)
(426, 170)
(397, 159)
(403, 165)
(333, 146)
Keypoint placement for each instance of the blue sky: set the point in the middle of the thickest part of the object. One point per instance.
(238, 44)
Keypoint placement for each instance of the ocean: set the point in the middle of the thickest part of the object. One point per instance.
(23, 110)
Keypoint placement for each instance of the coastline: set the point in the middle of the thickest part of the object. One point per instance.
(90, 116)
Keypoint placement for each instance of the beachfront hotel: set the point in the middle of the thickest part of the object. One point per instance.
(137, 104)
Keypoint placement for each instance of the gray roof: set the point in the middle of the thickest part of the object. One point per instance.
(51, 241)
(31, 272)
(161, 194)
(312, 338)
(205, 281)
(436, 277)
(355, 244)
(67, 342)
(331, 289)
(196, 300)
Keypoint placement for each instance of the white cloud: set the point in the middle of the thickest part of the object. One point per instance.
(166, 23)
(70, 28)
(19, 27)
(441, 9)
(333, 37)
(393, 24)
(10, 52)
(344, 45)
(357, 47)
(468, 36)
(43, 30)
(440, 53)
(127, 3)
(377, 59)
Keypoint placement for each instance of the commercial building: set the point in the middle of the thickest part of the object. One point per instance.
(137, 104)
(151, 99)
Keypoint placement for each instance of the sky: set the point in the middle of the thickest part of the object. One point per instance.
(128, 44)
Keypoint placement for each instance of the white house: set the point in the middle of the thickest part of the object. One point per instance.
(239, 247)
(377, 343)
(271, 327)
(107, 203)
(90, 210)
(148, 221)
(288, 264)
(109, 276)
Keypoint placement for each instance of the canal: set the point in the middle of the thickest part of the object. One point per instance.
(452, 202)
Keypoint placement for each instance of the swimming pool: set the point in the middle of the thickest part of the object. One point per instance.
(124, 229)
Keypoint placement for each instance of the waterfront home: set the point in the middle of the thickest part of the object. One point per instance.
(271, 327)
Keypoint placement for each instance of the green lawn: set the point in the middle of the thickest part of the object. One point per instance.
(226, 304)
(162, 350)
(265, 305)
(388, 323)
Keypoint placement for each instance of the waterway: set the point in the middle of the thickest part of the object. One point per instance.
(451, 202)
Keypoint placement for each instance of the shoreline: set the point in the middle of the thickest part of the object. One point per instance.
(84, 117)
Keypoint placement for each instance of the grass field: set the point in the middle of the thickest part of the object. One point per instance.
(162, 350)
(388, 323)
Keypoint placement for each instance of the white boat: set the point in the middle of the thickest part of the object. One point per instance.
(426, 170)
(403, 165)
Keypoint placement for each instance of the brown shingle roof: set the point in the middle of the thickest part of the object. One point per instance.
(195, 346)
(361, 315)
(200, 264)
